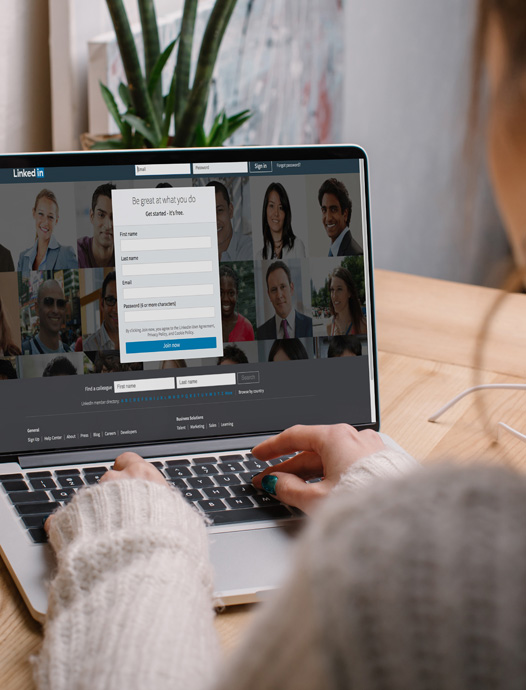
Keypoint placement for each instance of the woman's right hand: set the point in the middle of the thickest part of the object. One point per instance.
(326, 452)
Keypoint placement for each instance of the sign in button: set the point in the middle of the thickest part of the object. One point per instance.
(184, 344)
(260, 166)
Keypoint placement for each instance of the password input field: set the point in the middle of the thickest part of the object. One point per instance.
(165, 244)
(167, 267)
(142, 385)
(168, 291)
(168, 314)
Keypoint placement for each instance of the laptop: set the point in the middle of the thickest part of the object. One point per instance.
(185, 305)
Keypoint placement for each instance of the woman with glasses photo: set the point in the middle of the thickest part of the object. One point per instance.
(406, 578)
(46, 254)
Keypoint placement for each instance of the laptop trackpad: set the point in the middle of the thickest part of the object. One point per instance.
(249, 563)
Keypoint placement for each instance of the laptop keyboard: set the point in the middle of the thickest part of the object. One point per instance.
(218, 485)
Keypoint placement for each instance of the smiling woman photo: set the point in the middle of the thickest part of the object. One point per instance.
(345, 307)
(236, 328)
(279, 240)
(46, 254)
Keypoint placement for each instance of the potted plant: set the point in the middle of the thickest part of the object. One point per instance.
(149, 115)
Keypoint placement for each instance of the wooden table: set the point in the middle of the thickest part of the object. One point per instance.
(427, 340)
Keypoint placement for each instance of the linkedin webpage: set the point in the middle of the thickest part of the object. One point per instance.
(145, 303)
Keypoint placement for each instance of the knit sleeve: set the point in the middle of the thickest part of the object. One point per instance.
(130, 605)
(385, 463)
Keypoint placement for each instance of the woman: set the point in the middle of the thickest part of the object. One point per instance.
(46, 254)
(411, 583)
(345, 307)
(286, 350)
(279, 241)
(236, 328)
(8, 347)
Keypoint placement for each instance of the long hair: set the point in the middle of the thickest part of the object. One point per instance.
(46, 194)
(7, 344)
(355, 307)
(288, 237)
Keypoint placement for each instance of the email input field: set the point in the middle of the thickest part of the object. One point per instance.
(166, 243)
(168, 291)
(169, 314)
(171, 267)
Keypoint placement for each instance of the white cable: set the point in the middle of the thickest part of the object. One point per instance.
(512, 431)
(485, 386)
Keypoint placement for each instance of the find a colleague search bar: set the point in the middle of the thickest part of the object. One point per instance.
(163, 169)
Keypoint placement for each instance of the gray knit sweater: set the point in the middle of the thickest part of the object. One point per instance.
(130, 606)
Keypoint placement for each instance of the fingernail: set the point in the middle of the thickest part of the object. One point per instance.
(268, 483)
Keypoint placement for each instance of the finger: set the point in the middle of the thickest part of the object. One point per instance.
(110, 475)
(299, 437)
(294, 491)
(305, 465)
(126, 460)
(47, 523)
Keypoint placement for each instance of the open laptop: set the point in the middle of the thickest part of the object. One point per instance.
(186, 305)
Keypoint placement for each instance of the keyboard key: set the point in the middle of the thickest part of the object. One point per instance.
(93, 477)
(192, 494)
(16, 485)
(63, 494)
(94, 470)
(249, 515)
(181, 471)
(10, 477)
(200, 482)
(227, 479)
(66, 472)
(257, 465)
(43, 483)
(178, 483)
(34, 520)
(212, 504)
(70, 481)
(37, 475)
(265, 500)
(216, 492)
(243, 490)
(36, 508)
(240, 502)
(205, 461)
(28, 497)
(205, 469)
(246, 477)
(231, 467)
(39, 536)
(176, 463)
(231, 458)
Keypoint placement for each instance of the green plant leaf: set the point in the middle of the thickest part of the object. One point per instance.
(112, 107)
(236, 121)
(159, 66)
(124, 93)
(140, 126)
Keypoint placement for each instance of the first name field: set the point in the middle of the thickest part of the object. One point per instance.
(167, 267)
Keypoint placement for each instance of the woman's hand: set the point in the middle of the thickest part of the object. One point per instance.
(127, 466)
(327, 452)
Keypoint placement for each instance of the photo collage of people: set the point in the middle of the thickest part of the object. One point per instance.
(291, 273)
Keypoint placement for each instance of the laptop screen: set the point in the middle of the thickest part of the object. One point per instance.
(165, 296)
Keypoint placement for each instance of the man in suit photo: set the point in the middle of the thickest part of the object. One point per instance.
(287, 322)
(336, 209)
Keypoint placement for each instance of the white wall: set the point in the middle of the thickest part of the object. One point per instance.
(25, 103)
(406, 92)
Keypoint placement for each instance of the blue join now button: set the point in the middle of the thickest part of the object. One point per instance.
(171, 345)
